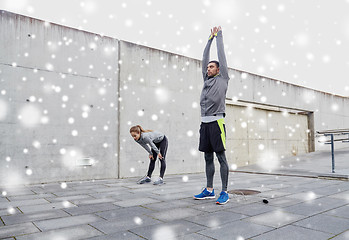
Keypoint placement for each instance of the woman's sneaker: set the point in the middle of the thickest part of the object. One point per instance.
(223, 198)
(144, 180)
(205, 194)
(159, 181)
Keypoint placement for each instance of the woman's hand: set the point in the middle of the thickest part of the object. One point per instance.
(151, 156)
(160, 156)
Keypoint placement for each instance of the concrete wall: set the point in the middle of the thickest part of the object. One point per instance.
(59, 88)
(68, 96)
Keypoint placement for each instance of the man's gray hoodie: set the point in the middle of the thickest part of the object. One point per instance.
(150, 138)
(212, 100)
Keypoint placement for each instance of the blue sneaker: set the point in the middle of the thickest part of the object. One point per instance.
(205, 194)
(223, 198)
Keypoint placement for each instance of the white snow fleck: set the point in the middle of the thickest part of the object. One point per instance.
(29, 172)
(190, 133)
(11, 210)
(138, 220)
(49, 66)
(37, 144)
(185, 178)
(233, 166)
(65, 98)
(71, 120)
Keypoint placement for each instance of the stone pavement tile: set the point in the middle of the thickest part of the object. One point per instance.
(192, 236)
(124, 235)
(325, 223)
(46, 207)
(305, 196)
(91, 208)
(211, 206)
(274, 194)
(328, 190)
(316, 206)
(16, 191)
(216, 219)
(3, 199)
(22, 203)
(235, 230)
(115, 195)
(22, 218)
(342, 236)
(68, 198)
(172, 230)
(172, 196)
(50, 224)
(317, 183)
(276, 218)
(342, 195)
(130, 211)
(343, 186)
(284, 202)
(71, 233)
(124, 223)
(109, 189)
(339, 212)
(31, 196)
(160, 206)
(175, 214)
(140, 200)
(72, 192)
(88, 186)
(291, 232)
(123, 183)
(17, 229)
(81, 202)
(277, 185)
(253, 209)
(9, 211)
(171, 191)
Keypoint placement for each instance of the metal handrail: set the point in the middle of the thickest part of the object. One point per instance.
(332, 133)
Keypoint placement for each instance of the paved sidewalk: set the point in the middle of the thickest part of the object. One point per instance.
(315, 164)
(298, 208)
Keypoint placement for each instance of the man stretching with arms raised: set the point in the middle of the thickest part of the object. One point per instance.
(212, 129)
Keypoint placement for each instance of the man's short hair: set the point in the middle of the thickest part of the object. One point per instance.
(215, 62)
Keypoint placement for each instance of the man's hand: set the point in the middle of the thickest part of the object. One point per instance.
(215, 30)
(151, 156)
(160, 156)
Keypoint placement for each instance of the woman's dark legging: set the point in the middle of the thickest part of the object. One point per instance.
(210, 169)
(162, 146)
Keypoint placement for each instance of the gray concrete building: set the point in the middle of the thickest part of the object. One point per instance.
(68, 98)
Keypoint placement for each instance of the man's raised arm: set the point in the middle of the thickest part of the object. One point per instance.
(223, 67)
(206, 55)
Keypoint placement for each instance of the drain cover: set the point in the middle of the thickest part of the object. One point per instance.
(243, 192)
